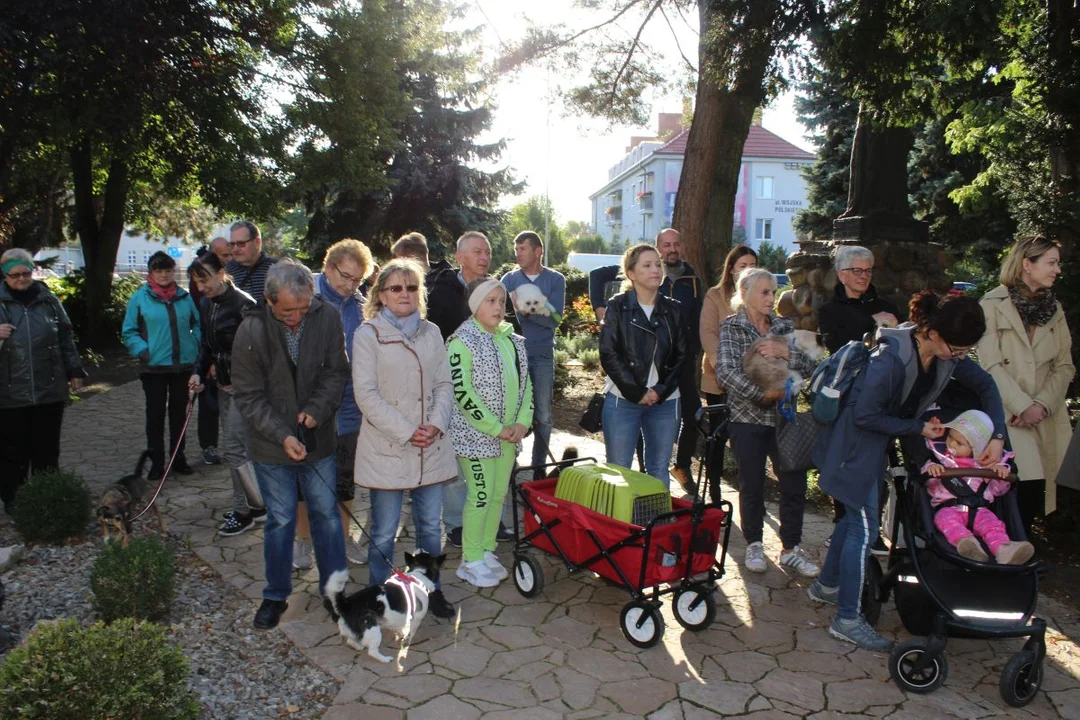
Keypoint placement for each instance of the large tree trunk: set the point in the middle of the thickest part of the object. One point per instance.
(705, 203)
(1063, 20)
(100, 238)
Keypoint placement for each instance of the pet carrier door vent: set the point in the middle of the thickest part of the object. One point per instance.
(617, 492)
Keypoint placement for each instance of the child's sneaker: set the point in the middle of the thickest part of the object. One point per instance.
(755, 558)
(497, 569)
(970, 548)
(1014, 552)
(234, 523)
(798, 561)
(477, 574)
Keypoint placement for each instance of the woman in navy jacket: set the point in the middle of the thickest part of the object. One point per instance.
(905, 375)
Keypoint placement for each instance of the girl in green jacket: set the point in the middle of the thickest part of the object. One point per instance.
(494, 409)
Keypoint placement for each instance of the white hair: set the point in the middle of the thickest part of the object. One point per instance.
(847, 254)
(290, 276)
(746, 282)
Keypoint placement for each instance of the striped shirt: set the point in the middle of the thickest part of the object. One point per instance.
(251, 280)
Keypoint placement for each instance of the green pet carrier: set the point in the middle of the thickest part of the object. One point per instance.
(614, 491)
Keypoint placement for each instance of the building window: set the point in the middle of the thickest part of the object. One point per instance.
(146, 256)
(133, 258)
(764, 187)
(763, 229)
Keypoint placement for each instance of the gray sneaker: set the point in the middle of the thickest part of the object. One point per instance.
(303, 555)
(355, 552)
(825, 595)
(755, 558)
(859, 632)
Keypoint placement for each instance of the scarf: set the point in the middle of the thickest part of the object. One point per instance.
(1035, 309)
(27, 296)
(408, 325)
(165, 294)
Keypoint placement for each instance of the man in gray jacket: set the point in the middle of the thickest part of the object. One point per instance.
(289, 370)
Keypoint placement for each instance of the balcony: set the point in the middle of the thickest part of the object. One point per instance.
(614, 213)
(645, 202)
(615, 198)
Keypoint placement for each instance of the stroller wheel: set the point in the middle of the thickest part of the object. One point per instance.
(694, 608)
(1020, 679)
(528, 576)
(642, 623)
(902, 666)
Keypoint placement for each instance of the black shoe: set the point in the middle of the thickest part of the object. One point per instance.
(879, 548)
(453, 537)
(269, 614)
(329, 607)
(440, 606)
(234, 523)
(505, 534)
(258, 515)
(154, 475)
(181, 467)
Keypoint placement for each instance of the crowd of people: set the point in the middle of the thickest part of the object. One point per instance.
(410, 379)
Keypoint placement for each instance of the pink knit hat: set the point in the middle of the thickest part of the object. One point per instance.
(976, 427)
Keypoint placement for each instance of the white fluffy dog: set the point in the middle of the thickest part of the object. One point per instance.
(528, 300)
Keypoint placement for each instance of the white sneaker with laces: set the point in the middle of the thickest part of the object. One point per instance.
(497, 568)
(303, 555)
(477, 574)
(755, 558)
(798, 561)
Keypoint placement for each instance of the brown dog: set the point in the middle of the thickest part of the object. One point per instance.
(119, 500)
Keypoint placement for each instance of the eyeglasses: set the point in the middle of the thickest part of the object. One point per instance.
(239, 243)
(19, 275)
(346, 276)
(401, 288)
(860, 272)
(956, 353)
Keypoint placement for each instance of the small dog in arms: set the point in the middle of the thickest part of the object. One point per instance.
(399, 604)
(773, 372)
(528, 300)
(119, 500)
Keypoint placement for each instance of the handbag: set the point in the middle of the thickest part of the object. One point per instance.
(795, 442)
(592, 420)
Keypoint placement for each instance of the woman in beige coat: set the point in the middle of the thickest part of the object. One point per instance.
(401, 380)
(715, 309)
(1028, 351)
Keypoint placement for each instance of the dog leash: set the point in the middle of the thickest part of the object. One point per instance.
(172, 459)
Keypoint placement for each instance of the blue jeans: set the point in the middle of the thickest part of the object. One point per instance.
(542, 373)
(625, 421)
(385, 518)
(845, 564)
(318, 481)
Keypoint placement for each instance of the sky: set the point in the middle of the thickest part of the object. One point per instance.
(568, 157)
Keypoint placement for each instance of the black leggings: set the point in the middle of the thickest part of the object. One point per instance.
(714, 461)
(29, 443)
(1031, 499)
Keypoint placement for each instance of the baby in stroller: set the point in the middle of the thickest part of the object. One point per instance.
(954, 499)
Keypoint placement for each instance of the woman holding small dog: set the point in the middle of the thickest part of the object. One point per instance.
(222, 309)
(42, 365)
(490, 375)
(754, 416)
(401, 383)
(642, 350)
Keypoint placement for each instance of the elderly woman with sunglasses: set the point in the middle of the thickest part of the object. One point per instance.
(40, 361)
(401, 382)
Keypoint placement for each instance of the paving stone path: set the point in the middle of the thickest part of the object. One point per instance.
(562, 654)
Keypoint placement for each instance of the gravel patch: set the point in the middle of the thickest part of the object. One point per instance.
(237, 671)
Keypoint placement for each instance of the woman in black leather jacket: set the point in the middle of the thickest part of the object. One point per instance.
(221, 310)
(642, 350)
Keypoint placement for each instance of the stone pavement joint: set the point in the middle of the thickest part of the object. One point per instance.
(562, 654)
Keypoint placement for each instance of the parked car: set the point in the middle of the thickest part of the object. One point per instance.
(959, 287)
(781, 279)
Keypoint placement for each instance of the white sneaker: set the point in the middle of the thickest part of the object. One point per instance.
(497, 569)
(477, 574)
(755, 558)
(355, 553)
(798, 561)
(303, 555)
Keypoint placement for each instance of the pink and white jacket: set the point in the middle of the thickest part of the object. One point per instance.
(939, 493)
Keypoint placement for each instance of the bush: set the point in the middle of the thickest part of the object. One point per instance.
(71, 290)
(52, 506)
(564, 380)
(135, 582)
(122, 670)
(590, 359)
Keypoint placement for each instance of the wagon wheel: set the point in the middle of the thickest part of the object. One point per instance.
(1020, 679)
(528, 576)
(642, 623)
(694, 608)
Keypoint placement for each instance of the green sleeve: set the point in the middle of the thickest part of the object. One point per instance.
(525, 412)
(470, 404)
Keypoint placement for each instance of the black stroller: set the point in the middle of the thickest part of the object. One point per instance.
(940, 594)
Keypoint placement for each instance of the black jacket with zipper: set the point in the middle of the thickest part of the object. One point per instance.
(630, 343)
(221, 316)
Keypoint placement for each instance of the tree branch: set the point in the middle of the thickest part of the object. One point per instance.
(675, 37)
(630, 53)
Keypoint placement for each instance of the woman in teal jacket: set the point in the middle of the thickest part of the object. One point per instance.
(490, 377)
(161, 328)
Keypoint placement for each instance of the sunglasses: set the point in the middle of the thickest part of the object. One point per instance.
(402, 288)
(19, 275)
(239, 243)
